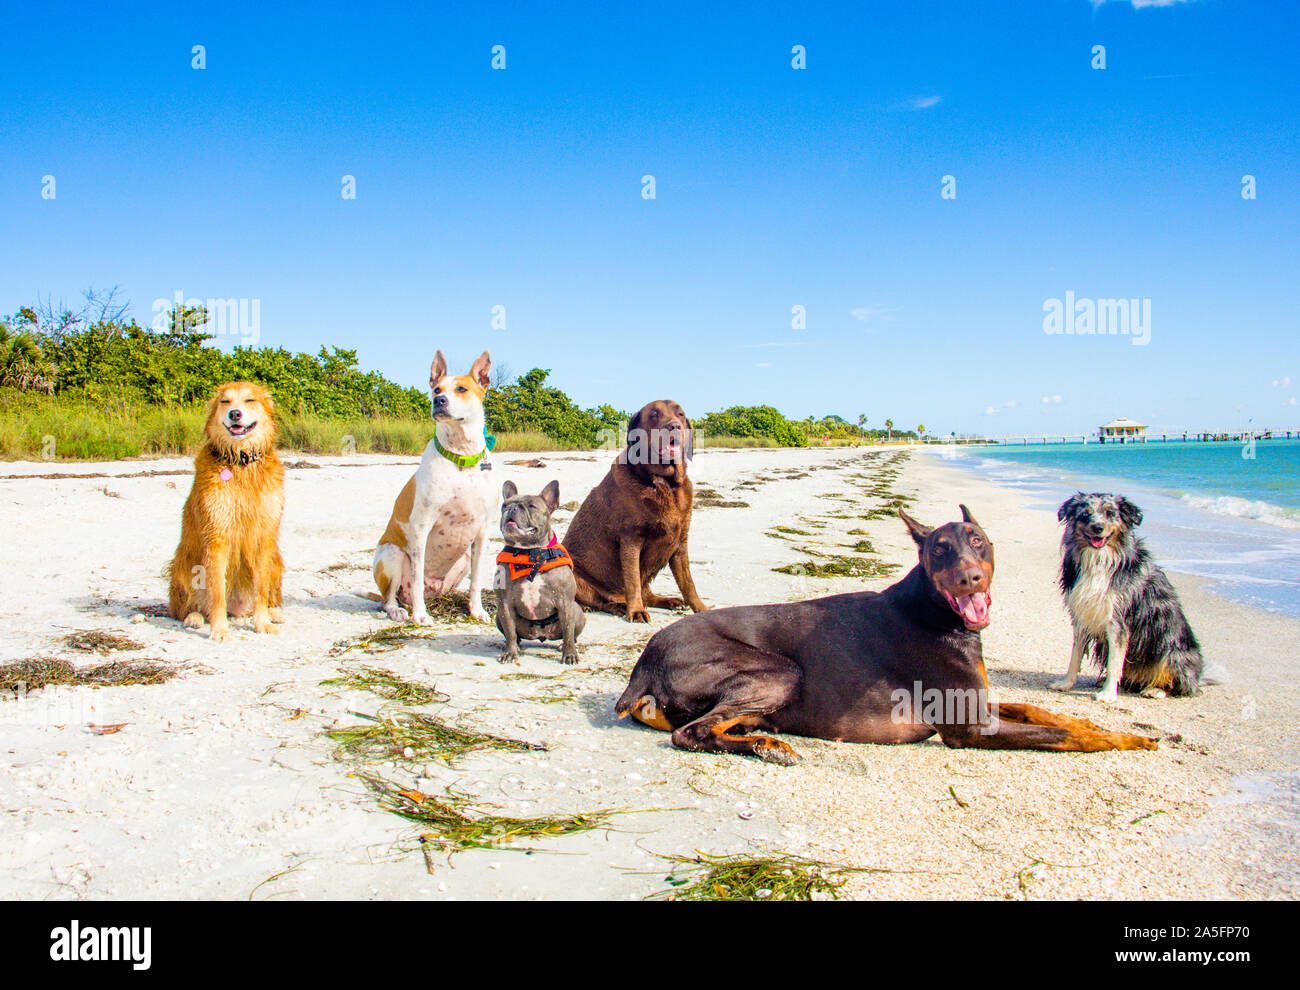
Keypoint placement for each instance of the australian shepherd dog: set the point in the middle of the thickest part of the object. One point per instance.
(1121, 604)
(228, 561)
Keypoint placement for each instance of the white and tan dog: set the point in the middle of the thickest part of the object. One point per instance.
(439, 526)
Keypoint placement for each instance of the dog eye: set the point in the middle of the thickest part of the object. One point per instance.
(975, 541)
(940, 550)
(461, 388)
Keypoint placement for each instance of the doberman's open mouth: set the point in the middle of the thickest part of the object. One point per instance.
(973, 609)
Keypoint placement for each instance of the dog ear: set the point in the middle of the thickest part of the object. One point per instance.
(551, 495)
(479, 372)
(1129, 513)
(633, 425)
(919, 532)
(1068, 506)
(438, 371)
(508, 490)
(965, 514)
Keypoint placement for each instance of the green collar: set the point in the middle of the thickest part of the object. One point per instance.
(466, 460)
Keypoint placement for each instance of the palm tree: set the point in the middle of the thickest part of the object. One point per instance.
(921, 431)
(20, 359)
(889, 429)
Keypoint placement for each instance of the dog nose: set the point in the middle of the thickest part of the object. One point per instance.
(236, 415)
(1097, 528)
(440, 401)
(970, 577)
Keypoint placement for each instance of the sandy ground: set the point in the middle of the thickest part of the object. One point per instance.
(222, 785)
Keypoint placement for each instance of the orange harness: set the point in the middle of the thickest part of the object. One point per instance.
(531, 562)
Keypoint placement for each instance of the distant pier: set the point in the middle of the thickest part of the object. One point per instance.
(1032, 440)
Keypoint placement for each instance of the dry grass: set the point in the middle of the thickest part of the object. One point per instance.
(387, 685)
(746, 878)
(414, 736)
(455, 825)
(99, 641)
(707, 498)
(826, 567)
(39, 672)
(454, 606)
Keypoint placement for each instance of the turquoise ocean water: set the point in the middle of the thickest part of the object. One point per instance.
(1229, 512)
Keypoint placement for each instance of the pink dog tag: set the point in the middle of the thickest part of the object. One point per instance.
(225, 474)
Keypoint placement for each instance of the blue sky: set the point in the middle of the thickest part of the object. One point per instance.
(774, 188)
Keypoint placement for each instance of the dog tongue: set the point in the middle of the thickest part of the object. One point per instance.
(974, 609)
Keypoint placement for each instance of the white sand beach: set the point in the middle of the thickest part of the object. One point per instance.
(221, 784)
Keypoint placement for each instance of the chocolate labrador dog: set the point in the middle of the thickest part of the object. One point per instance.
(638, 518)
(895, 666)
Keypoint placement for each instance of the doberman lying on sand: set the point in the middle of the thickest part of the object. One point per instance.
(895, 666)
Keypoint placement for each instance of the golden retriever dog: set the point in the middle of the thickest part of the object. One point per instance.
(228, 561)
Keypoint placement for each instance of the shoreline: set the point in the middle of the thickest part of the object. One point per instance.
(1242, 556)
(222, 778)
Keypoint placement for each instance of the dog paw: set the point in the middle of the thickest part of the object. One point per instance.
(672, 603)
(1063, 684)
(277, 614)
(266, 628)
(771, 750)
(509, 656)
(1107, 696)
(480, 614)
(421, 619)
(194, 620)
(220, 633)
(569, 659)
(397, 613)
(638, 615)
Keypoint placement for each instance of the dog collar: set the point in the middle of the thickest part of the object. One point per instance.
(243, 457)
(531, 561)
(460, 460)
(466, 460)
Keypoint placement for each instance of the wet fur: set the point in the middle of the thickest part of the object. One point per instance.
(228, 561)
(1116, 595)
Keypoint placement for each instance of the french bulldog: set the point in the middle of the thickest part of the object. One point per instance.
(534, 580)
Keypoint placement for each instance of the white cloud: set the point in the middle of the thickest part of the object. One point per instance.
(872, 314)
(1282, 382)
(762, 364)
(1292, 401)
(1051, 400)
(925, 102)
(1011, 404)
(990, 411)
(1138, 4)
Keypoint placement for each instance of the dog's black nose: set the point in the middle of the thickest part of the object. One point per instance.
(1096, 528)
(236, 415)
(970, 577)
(440, 401)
